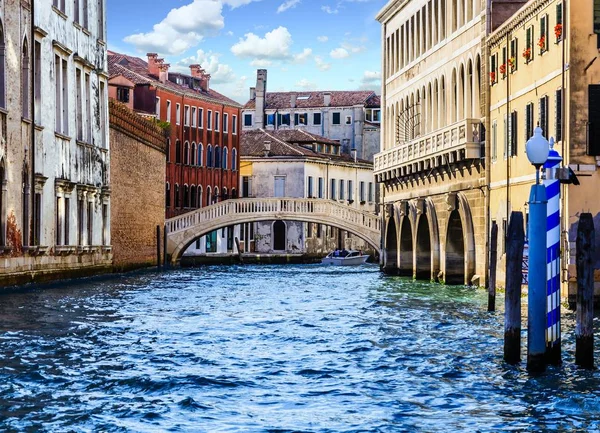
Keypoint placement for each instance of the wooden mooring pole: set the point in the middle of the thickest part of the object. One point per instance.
(237, 244)
(584, 330)
(165, 259)
(158, 246)
(515, 242)
(493, 262)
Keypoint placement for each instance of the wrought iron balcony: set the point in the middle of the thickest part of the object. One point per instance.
(458, 142)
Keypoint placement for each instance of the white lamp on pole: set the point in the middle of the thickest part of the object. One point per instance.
(537, 149)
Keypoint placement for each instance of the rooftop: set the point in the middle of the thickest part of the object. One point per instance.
(316, 99)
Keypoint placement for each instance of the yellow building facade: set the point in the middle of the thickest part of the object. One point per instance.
(542, 71)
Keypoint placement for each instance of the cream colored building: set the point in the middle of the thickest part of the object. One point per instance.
(527, 91)
(431, 160)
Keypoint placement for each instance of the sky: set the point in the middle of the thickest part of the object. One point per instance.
(303, 44)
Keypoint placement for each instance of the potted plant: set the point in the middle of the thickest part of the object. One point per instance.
(542, 43)
(493, 77)
(503, 69)
(512, 64)
(527, 54)
(558, 28)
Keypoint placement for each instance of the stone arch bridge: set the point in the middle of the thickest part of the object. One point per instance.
(186, 228)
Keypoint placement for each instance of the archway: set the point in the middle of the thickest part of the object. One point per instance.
(279, 235)
(423, 250)
(391, 248)
(455, 250)
(406, 249)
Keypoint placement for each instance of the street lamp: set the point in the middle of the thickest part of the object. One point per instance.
(537, 149)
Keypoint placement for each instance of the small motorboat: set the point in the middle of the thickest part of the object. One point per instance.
(345, 258)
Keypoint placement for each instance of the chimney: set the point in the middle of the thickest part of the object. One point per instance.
(252, 92)
(261, 94)
(205, 82)
(163, 69)
(267, 147)
(327, 99)
(293, 97)
(153, 62)
(196, 71)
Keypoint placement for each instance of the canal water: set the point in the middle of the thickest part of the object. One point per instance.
(274, 349)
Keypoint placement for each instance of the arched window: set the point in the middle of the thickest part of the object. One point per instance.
(25, 80)
(168, 195)
(224, 196)
(233, 159)
(186, 195)
(217, 161)
(193, 196)
(178, 152)
(209, 156)
(2, 69)
(208, 196)
(200, 155)
(216, 195)
(177, 196)
(224, 158)
(199, 196)
(233, 193)
(186, 153)
(168, 150)
(193, 154)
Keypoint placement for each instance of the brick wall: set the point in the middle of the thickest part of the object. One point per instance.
(137, 175)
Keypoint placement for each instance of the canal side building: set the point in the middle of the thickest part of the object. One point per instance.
(431, 164)
(202, 150)
(350, 117)
(542, 72)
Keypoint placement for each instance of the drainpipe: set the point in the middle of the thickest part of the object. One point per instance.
(566, 157)
(32, 149)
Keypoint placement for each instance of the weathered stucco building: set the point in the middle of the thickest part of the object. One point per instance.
(137, 148)
(431, 159)
(297, 164)
(350, 117)
(55, 157)
(542, 73)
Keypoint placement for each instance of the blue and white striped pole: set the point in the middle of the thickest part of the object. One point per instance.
(552, 184)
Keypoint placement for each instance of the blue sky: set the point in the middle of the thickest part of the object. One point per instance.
(304, 44)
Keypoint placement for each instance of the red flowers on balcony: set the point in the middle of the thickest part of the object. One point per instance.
(558, 29)
(527, 54)
(542, 43)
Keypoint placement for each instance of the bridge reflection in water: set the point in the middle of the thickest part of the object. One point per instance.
(185, 229)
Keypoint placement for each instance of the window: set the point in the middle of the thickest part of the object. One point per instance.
(177, 196)
(225, 122)
(544, 116)
(100, 15)
(209, 120)
(514, 56)
(335, 118)
(558, 116)
(168, 111)
(177, 114)
(528, 121)
(321, 181)
(157, 110)
(186, 114)
(186, 153)
(350, 191)
(209, 156)
(494, 69)
(283, 119)
(224, 158)
(300, 119)
(62, 94)
(168, 195)
(178, 152)
(58, 221)
(494, 140)
(200, 117)
(246, 186)
(332, 194)
(37, 76)
(361, 192)
(59, 4)
(186, 196)
(168, 150)
(194, 117)
(233, 159)
(25, 81)
(79, 103)
(512, 134)
(310, 187)
(341, 192)
(247, 119)
(348, 120)
(271, 119)
(122, 92)
(90, 222)
(373, 115)
(88, 108)
(371, 192)
(200, 159)
(528, 53)
(234, 125)
(217, 120)
(217, 156)
(558, 28)
(503, 65)
(316, 118)
(543, 40)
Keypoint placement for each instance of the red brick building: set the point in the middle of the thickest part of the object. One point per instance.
(203, 148)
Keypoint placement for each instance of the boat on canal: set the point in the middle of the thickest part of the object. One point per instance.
(345, 258)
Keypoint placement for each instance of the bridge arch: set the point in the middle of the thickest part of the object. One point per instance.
(185, 229)
(460, 244)
(427, 243)
(405, 267)
(390, 259)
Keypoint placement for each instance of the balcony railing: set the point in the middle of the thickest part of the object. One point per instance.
(464, 135)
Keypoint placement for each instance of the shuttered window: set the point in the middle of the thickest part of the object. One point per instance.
(597, 20)
(528, 121)
(558, 116)
(544, 116)
(594, 119)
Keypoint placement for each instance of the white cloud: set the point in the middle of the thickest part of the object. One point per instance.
(301, 57)
(237, 3)
(229, 33)
(371, 80)
(354, 48)
(321, 64)
(305, 84)
(339, 53)
(322, 38)
(288, 4)
(275, 45)
(328, 10)
(261, 63)
(220, 72)
(182, 28)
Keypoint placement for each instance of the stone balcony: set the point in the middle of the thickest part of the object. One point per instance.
(452, 144)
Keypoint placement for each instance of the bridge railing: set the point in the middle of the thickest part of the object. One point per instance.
(288, 206)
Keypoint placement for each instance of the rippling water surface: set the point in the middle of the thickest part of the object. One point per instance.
(274, 349)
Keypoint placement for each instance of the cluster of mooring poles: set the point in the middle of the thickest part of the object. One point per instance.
(543, 296)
